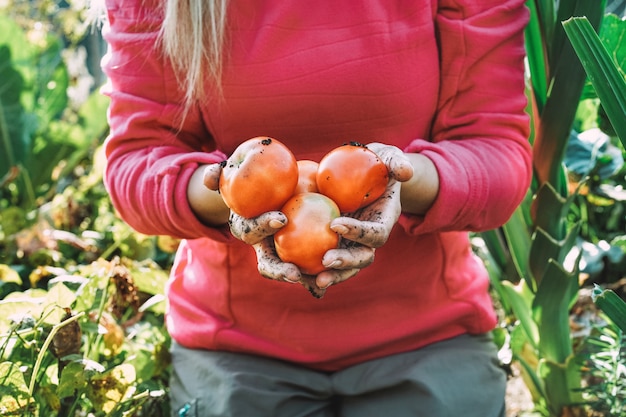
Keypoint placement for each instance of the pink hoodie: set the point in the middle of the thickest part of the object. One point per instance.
(441, 78)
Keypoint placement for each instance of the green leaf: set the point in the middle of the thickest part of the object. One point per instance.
(549, 209)
(149, 279)
(612, 305)
(74, 379)
(544, 248)
(11, 376)
(613, 36)
(52, 81)
(58, 298)
(518, 241)
(566, 81)
(21, 50)
(550, 307)
(520, 297)
(19, 306)
(13, 389)
(535, 46)
(13, 142)
(112, 387)
(562, 382)
(603, 72)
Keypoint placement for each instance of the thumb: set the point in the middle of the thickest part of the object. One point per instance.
(211, 177)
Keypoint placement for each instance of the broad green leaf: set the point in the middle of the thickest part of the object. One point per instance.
(612, 305)
(526, 356)
(549, 210)
(21, 306)
(90, 294)
(11, 376)
(544, 248)
(149, 279)
(13, 142)
(520, 297)
(603, 72)
(496, 246)
(551, 312)
(52, 81)
(566, 81)
(21, 49)
(13, 389)
(518, 241)
(562, 382)
(112, 387)
(58, 298)
(613, 37)
(74, 379)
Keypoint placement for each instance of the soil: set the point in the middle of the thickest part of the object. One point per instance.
(519, 403)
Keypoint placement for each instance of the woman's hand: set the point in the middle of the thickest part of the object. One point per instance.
(257, 232)
(368, 228)
(362, 231)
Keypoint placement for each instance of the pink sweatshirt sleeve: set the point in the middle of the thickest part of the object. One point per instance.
(151, 154)
(479, 141)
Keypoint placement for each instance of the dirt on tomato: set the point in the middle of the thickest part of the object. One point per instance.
(259, 176)
(352, 176)
(307, 236)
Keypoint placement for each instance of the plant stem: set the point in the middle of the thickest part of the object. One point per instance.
(44, 349)
(4, 137)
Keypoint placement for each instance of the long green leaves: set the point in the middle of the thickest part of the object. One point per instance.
(602, 71)
(566, 79)
(612, 305)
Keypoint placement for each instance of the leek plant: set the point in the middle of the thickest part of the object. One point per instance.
(534, 258)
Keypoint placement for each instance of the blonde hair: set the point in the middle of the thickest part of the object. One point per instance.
(193, 37)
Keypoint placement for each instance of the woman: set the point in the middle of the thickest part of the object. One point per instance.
(435, 88)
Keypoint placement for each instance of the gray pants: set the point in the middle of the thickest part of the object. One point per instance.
(456, 377)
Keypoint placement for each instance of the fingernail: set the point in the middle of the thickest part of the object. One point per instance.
(276, 224)
(334, 264)
(325, 283)
(339, 229)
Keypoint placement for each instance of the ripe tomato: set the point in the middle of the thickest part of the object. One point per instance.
(307, 236)
(259, 176)
(352, 176)
(307, 173)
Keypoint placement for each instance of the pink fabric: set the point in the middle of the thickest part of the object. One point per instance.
(441, 78)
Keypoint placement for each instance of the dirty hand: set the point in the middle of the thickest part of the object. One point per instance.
(257, 232)
(362, 231)
(368, 228)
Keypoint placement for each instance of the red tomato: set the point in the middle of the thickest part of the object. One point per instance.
(259, 176)
(352, 176)
(307, 173)
(307, 236)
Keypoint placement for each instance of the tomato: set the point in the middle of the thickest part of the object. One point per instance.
(352, 176)
(260, 176)
(307, 236)
(307, 173)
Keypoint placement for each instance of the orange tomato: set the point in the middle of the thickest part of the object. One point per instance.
(260, 176)
(307, 173)
(352, 176)
(307, 236)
